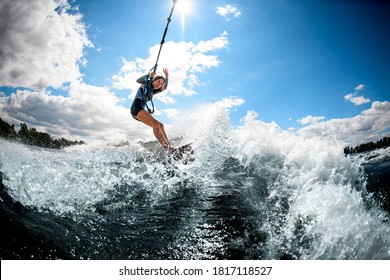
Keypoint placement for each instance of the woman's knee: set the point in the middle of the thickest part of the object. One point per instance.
(158, 125)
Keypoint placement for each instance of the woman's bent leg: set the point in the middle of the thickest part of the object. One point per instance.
(158, 128)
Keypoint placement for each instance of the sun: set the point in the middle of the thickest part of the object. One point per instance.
(183, 6)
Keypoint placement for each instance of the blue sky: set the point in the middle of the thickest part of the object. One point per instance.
(312, 67)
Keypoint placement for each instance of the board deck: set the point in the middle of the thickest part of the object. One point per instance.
(183, 153)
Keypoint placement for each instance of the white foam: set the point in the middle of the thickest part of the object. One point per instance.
(308, 181)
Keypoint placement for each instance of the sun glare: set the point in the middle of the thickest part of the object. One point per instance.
(184, 7)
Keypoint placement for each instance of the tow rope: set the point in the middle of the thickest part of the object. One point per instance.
(154, 68)
(165, 33)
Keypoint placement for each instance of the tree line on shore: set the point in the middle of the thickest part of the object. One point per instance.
(383, 143)
(33, 137)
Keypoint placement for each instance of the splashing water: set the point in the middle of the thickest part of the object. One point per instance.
(252, 192)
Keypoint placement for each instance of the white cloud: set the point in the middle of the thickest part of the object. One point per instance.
(193, 80)
(171, 113)
(359, 87)
(370, 125)
(228, 12)
(230, 102)
(211, 45)
(184, 61)
(357, 100)
(42, 43)
(354, 98)
(89, 112)
(311, 119)
(164, 98)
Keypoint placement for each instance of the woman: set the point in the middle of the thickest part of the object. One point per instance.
(151, 85)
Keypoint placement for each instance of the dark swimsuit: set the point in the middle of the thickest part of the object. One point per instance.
(144, 94)
(136, 107)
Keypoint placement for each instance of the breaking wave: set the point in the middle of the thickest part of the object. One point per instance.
(252, 192)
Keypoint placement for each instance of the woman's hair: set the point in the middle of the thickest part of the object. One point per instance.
(158, 78)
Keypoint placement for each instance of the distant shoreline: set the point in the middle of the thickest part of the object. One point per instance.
(366, 147)
(33, 137)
